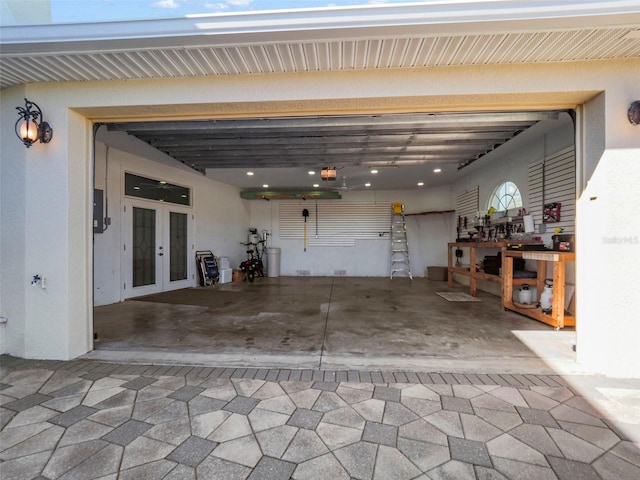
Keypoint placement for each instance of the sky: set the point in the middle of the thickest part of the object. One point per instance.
(63, 11)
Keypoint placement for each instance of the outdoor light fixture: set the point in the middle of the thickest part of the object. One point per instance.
(30, 127)
(328, 173)
(634, 113)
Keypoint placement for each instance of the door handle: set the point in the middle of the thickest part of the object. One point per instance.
(160, 254)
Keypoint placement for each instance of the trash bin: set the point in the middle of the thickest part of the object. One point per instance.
(273, 262)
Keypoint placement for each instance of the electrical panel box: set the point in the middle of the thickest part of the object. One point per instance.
(98, 209)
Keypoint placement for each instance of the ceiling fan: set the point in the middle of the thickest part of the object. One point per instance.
(345, 187)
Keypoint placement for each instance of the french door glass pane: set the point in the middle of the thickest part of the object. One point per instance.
(144, 246)
(177, 246)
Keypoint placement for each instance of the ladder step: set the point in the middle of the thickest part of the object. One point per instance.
(399, 258)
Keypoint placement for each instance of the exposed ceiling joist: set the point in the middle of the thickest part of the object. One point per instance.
(370, 140)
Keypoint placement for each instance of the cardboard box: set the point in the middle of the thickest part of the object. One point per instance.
(238, 276)
(437, 273)
(226, 275)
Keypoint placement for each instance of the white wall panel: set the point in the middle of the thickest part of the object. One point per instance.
(553, 180)
(427, 234)
(334, 222)
(467, 206)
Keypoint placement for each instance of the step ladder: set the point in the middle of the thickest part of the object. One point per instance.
(399, 258)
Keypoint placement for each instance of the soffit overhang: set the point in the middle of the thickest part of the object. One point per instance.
(430, 34)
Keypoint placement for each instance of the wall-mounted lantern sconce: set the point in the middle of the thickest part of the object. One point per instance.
(634, 113)
(30, 127)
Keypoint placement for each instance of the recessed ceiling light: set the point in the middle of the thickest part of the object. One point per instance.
(437, 170)
(367, 184)
(265, 186)
(374, 172)
(315, 185)
(311, 172)
(421, 184)
(250, 173)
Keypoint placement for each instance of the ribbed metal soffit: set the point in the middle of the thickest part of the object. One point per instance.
(314, 56)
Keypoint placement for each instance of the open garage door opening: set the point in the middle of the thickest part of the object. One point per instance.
(333, 304)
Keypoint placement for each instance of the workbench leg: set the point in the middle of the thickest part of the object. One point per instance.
(558, 294)
(540, 278)
(473, 290)
(507, 280)
(450, 265)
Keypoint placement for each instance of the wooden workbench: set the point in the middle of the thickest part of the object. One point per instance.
(471, 272)
(557, 318)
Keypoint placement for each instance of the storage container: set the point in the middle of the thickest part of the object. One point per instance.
(224, 262)
(226, 275)
(438, 274)
(492, 264)
(273, 262)
(563, 243)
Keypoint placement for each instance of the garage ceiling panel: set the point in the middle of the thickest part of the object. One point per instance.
(340, 141)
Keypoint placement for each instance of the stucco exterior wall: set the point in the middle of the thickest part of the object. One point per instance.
(12, 229)
(609, 239)
(46, 214)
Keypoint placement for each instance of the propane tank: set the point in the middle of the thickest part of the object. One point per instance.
(546, 299)
(525, 295)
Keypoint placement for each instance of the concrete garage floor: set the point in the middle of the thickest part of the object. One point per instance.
(359, 395)
(331, 323)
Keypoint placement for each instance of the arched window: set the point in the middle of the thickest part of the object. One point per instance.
(505, 197)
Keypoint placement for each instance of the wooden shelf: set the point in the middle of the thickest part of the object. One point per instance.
(475, 276)
(488, 277)
(430, 212)
(523, 281)
(538, 314)
(557, 318)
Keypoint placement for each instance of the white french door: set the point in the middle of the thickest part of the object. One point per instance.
(156, 248)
